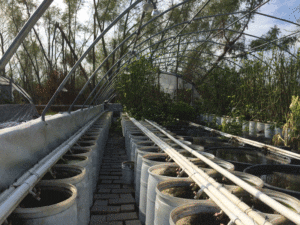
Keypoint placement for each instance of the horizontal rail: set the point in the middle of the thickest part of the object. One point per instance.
(291, 215)
(270, 148)
(21, 188)
(234, 213)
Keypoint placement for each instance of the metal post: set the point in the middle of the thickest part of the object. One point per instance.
(23, 33)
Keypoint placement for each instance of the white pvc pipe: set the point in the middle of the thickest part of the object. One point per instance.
(253, 143)
(17, 195)
(234, 212)
(291, 215)
(257, 217)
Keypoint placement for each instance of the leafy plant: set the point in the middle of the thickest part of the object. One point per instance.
(231, 127)
(142, 97)
(291, 129)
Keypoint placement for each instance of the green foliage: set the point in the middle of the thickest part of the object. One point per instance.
(272, 34)
(291, 129)
(116, 127)
(183, 110)
(142, 98)
(231, 128)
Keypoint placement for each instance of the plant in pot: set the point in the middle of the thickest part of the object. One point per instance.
(291, 129)
(232, 127)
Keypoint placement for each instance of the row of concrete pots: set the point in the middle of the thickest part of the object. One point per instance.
(159, 190)
(252, 128)
(65, 193)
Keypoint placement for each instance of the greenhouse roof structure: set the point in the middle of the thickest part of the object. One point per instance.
(186, 38)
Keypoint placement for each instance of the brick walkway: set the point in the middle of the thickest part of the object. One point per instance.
(114, 202)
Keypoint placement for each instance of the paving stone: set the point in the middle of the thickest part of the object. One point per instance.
(109, 177)
(113, 223)
(117, 181)
(103, 191)
(106, 186)
(120, 201)
(105, 168)
(97, 219)
(126, 195)
(106, 181)
(122, 216)
(116, 173)
(106, 196)
(126, 186)
(133, 222)
(101, 173)
(127, 208)
(104, 209)
(100, 202)
(125, 190)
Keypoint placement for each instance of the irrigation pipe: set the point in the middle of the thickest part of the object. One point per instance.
(291, 215)
(234, 213)
(244, 207)
(253, 143)
(22, 187)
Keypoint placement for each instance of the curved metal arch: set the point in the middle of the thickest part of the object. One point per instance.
(193, 64)
(179, 65)
(84, 55)
(104, 93)
(249, 12)
(186, 22)
(210, 42)
(99, 67)
(115, 75)
(171, 9)
(108, 73)
(110, 69)
(212, 16)
(250, 35)
(190, 50)
(97, 96)
(121, 44)
(145, 26)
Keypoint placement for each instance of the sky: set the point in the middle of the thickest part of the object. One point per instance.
(284, 9)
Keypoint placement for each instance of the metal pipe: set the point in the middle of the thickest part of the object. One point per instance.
(37, 172)
(291, 215)
(233, 211)
(23, 33)
(61, 86)
(270, 148)
(244, 207)
(191, 50)
(175, 6)
(104, 61)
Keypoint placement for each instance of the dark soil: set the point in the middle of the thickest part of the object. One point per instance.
(203, 219)
(48, 197)
(59, 174)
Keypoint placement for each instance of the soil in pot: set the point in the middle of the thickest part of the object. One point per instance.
(169, 171)
(204, 219)
(65, 160)
(158, 159)
(226, 181)
(283, 180)
(59, 174)
(47, 197)
(262, 207)
(183, 192)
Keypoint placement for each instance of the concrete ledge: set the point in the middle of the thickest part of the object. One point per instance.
(22, 146)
